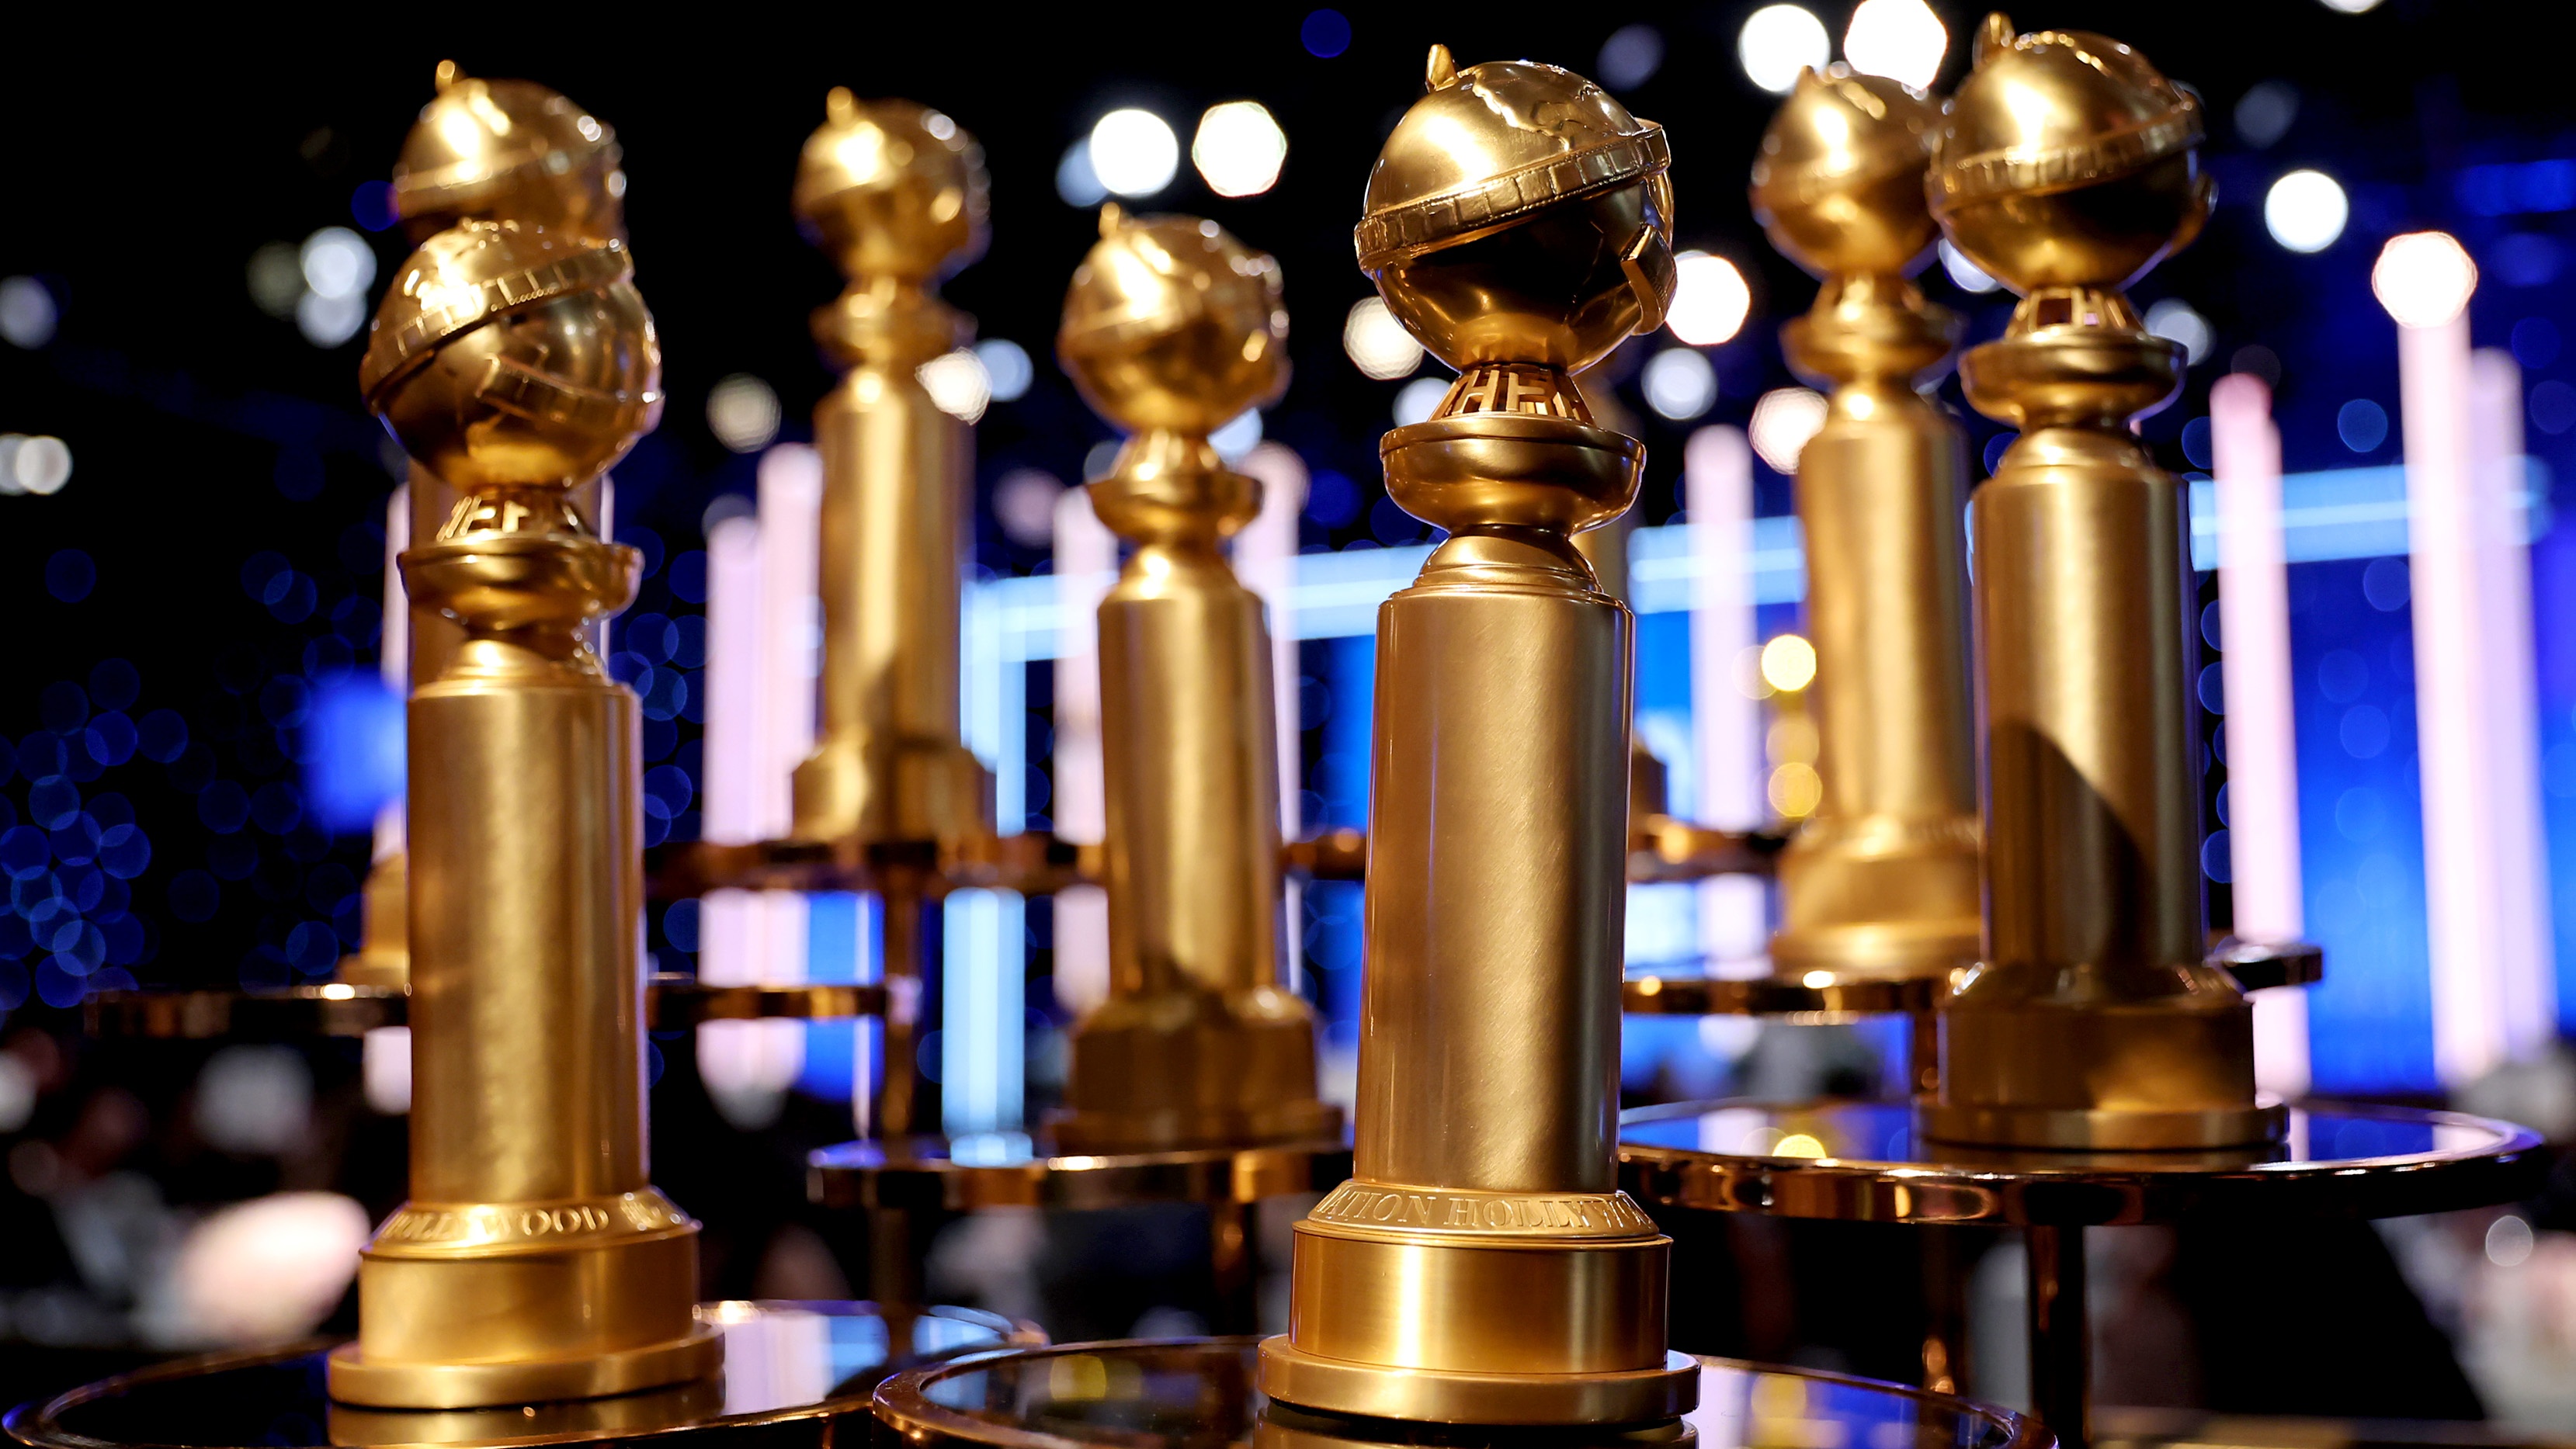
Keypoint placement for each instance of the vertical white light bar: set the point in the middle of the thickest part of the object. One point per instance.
(1265, 556)
(385, 1051)
(2424, 280)
(731, 923)
(1086, 561)
(984, 965)
(2262, 740)
(1717, 470)
(2504, 572)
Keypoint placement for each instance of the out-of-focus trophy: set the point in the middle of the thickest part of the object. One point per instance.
(534, 1259)
(1882, 879)
(1481, 1265)
(2065, 166)
(1173, 327)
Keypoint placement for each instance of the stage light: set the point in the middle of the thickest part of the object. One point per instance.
(336, 262)
(1710, 300)
(1679, 384)
(1900, 39)
(1783, 421)
(27, 312)
(2173, 320)
(1376, 343)
(1777, 42)
(330, 321)
(1238, 437)
(2350, 7)
(38, 465)
(1419, 400)
(1788, 663)
(1966, 275)
(1239, 148)
(957, 384)
(1630, 57)
(2423, 278)
(1075, 180)
(742, 411)
(1134, 152)
(2305, 211)
(1007, 367)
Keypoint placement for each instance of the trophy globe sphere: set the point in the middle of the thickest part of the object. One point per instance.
(1173, 325)
(507, 356)
(495, 149)
(891, 189)
(2066, 160)
(1839, 180)
(1518, 213)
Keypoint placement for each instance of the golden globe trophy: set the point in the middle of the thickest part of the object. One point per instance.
(2065, 167)
(1171, 329)
(1882, 879)
(535, 1260)
(1481, 1266)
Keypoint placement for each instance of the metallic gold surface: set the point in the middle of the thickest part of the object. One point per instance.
(1883, 877)
(895, 193)
(1172, 328)
(535, 1260)
(484, 150)
(2064, 167)
(1481, 1266)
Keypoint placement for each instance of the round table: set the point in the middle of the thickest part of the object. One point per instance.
(796, 1376)
(1865, 1162)
(1202, 1393)
(1009, 1169)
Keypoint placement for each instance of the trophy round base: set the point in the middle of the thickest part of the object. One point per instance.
(1372, 1391)
(2077, 1129)
(795, 1375)
(394, 1384)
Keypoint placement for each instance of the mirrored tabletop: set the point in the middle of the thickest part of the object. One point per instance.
(801, 1372)
(1202, 1393)
(1857, 1160)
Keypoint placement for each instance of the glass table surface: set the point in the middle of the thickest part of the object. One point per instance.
(792, 1370)
(1204, 1394)
(1858, 1160)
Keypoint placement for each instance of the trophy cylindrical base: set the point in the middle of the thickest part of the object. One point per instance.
(462, 1306)
(1478, 1308)
(1173, 1070)
(2164, 1073)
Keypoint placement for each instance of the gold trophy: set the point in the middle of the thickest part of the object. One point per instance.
(894, 192)
(2065, 167)
(535, 1260)
(482, 150)
(1882, 879)
(1481, 1266)
(1173, 327)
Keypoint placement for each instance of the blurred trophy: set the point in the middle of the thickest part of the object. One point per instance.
(1882, 879)
(534, 1261)
(1173, 327)
(1481, 1266)
(2065, 166)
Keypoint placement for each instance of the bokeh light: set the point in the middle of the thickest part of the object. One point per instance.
(1679, 384)
(1783, 420)
(1964, 274)
(742, 411)
(1134, 152)
(1376, 343)
(2174, 320)
(38, 465)
(1777, 42)
(1239, 148)
(1900, 39)
(1324, 33)
(1630, 57)
(27, 312)
(957, 384)
(1710, 299)
(2423, 278)
(1788, 663)
(2306, 210)
(1007, 369)
(1419, 399)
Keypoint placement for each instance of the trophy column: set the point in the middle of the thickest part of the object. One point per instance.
(2065, 166)
(1481, 1266)
(535, 1260)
